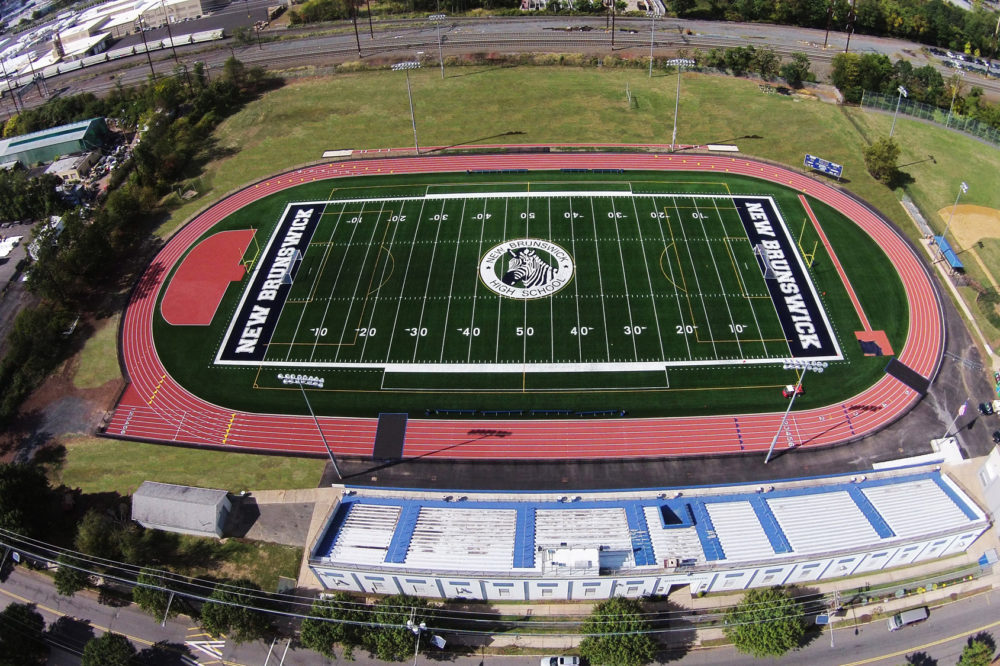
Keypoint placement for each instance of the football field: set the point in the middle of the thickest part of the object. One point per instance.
(528, 285)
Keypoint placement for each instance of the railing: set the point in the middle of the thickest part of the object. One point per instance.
(954, 121)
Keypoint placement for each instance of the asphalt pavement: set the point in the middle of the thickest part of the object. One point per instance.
(179, 642)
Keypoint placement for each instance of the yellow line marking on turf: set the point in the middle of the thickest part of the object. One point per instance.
(663, 270)
(921, 648)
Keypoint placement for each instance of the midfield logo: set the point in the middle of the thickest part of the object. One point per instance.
(526, 268)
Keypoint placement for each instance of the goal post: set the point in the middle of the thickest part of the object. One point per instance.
(293, 266)
(765, 264)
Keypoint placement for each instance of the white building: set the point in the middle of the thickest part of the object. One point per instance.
(532, 546)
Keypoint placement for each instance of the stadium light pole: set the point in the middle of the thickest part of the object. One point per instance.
(902, 94)
(959, 74)
(406, 67)
(679, 63)
(962, 189)
(652, 28)
(436, 19)
(416, 629)
(329, 451)
(815, 366)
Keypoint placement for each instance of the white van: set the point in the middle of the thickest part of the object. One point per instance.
(900, 620)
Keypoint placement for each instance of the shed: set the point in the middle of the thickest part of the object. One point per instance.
(183, 509)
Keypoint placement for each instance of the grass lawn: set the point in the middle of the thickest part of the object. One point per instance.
(477, 105)
(261, 562)
(104, 465)
(99, 357)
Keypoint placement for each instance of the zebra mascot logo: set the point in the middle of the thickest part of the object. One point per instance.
(526, 268)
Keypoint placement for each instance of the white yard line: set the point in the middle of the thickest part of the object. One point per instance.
(402, 287)
(649, 279)
(694, 271)
(418, 331)
(360, 278)
(673, 278)
(718, 276)
(451, 285)
(746, 285)
(628, 300)
(336, 280)
(600, 281)
(312, 290)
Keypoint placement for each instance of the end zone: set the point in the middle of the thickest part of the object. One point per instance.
(194, 293)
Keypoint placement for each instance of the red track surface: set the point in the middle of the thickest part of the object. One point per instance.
(154, 407)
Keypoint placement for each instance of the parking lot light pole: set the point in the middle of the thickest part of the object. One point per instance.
(406, 67)
(902, 94)
(652, 28)
(679, 63)
(962, 189)
(436, 19)
(815, 366)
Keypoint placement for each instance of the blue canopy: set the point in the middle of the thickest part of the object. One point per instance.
(949, 254)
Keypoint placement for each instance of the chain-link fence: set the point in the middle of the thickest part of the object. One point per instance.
(971, 126)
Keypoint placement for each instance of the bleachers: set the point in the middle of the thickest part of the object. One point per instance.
(365, 535)
(914, 508)
(463, 539)
(741, 534)
(822, 522)
(678, 542)
(583, 528)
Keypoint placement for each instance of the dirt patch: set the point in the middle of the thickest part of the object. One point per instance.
(971, 223)
(57, 408)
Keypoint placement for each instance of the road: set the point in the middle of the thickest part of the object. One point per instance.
(81, 617)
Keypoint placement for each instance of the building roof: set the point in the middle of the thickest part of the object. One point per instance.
(55, 135)
(182, 507)
(508, 534)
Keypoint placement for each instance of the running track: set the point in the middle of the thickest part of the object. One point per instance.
(155, 408)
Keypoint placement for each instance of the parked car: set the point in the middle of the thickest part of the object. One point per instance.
(996, 436)
(912, 616)
(560, 661)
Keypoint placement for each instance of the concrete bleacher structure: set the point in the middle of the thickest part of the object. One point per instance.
(634, 543)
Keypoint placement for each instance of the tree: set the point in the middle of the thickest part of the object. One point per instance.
(24, 490)
(796, 71)
(95, 536)
(111, 649)
(977, 652)
(70, 577)
(330, 622)
(680, 7)
(21, 636)
(766, 623)
(229, 612)
(881, 158)
(766, 63)
(392, 640)
(151, 597)
(618, 635)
